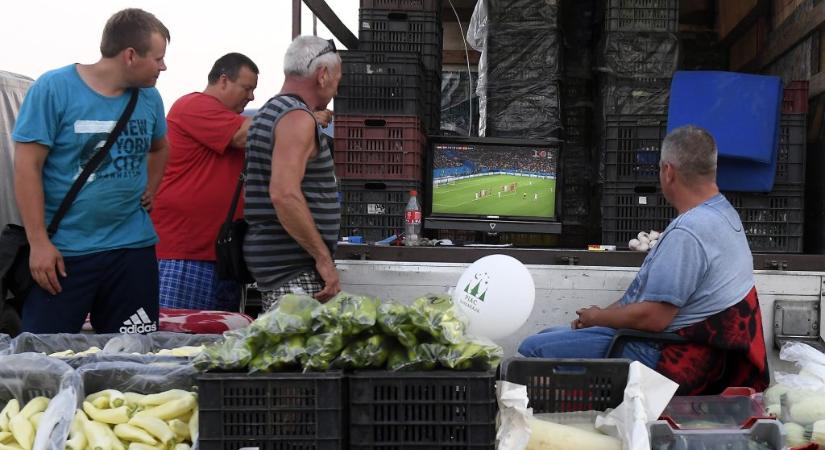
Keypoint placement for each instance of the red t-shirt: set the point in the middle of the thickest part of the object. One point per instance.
(200, 178)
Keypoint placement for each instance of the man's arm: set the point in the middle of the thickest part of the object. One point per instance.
(644, 316)
(293, 149)
(45, 260)
(239, 138)
(156, 164)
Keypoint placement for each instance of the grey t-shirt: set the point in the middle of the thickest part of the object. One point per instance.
(702, 264)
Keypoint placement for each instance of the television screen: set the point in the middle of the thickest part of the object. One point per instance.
(494, 178)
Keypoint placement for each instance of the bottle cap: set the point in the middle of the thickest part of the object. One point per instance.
(414, 193)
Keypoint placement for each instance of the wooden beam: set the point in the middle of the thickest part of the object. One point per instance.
(459, 57)
(817, 85)
(333, 23)
(761, 9)
(789, 37)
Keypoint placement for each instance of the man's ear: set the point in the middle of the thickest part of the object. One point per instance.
(322, 76)
(128, 55)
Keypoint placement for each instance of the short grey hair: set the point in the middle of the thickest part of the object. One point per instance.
(692, 150)
(302, 58)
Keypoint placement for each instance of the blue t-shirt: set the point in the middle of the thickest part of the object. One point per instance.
(64, 114)
(702, 264)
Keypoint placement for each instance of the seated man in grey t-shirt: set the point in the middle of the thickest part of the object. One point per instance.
(701, 266)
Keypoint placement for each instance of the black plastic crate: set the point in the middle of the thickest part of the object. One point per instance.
(642, 15)
(275, 411)
(403, 5)
(375, 83)
(630, 96)
(24, 377)
(790, 163)
(639, 55)
(524, 12)
(524, 111)
(569, 385)
(632, 146)
(388, 32)
(523, 49)
(436, 410)
(374, 209)
(578, 125)
(627, 210)
(773, 221)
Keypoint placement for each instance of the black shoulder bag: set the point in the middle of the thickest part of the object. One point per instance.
(15, 275)
(229, 262)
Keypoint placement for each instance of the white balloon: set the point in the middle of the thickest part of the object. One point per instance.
(497, 294)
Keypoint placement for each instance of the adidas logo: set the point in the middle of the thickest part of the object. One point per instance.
(139, 322)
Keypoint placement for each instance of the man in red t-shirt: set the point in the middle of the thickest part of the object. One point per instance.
(207, 136)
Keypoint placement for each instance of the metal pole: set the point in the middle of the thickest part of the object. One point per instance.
(296, 18)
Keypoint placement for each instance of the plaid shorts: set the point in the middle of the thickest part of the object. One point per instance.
(187, 284)
(306, 282)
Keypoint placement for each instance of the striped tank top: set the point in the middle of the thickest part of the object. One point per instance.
(272, 255)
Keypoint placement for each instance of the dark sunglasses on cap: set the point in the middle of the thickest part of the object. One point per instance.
(330, 48)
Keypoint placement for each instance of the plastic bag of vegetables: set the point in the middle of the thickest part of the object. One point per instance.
(321, 350)
(233, 353)
(421, 357)
(439, 317)
(282, 356)
(366, 353)
(395, 320)
(346, 314)
(38, 396)
(472, 354)
(293, 315)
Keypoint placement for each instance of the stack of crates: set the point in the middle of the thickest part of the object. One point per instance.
(773, 221)
(524, 64)
(637, 56)
(387, 102)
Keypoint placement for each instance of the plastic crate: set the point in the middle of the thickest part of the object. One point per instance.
(640, 55)
(630, 96)
(790, 162)
(403, 5)
(773, 221)
(578, 125)
(642, 15)
(764, 433)
(626, 210)
(520, 49)
(436, 410)
(379, 147)
(24, 377)
(388, 32)
(795, 98)
(733, 408)
(376, 83)
(569, 385)
(576, 92)
(524, 12)
(374, 209)
(575, 202)
(632, 146)
(275, 411)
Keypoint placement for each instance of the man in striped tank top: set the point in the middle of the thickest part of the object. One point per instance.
(291, 195)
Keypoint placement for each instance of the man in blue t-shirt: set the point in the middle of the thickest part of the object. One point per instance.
(701, 265)
(101, 260)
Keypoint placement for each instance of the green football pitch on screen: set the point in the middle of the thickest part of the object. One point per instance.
(487, 196)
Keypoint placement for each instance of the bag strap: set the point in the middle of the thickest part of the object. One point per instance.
(92, 165)
(235, 198)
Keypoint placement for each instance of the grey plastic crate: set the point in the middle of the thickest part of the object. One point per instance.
(764, 433)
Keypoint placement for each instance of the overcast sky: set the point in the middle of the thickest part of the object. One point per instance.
(39, 35)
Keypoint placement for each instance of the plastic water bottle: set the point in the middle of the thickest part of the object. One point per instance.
(412, 220)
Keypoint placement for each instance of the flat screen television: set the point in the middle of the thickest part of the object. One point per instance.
(493, 184)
